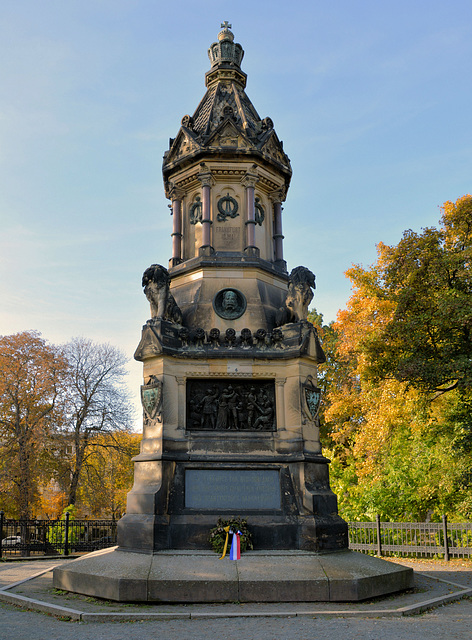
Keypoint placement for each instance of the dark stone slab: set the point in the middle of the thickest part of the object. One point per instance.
(228, 489)
(284, 578)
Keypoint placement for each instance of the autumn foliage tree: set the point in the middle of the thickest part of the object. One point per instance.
(397, 412)
(31, 393)
(57, 406)
(427, 280)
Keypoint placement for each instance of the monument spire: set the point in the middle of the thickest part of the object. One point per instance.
(226, 172)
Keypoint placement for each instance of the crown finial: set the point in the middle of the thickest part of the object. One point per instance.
(225, 51)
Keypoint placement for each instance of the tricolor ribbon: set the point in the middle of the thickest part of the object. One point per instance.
(235, 553)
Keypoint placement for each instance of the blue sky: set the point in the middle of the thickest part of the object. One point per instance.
(372, 101)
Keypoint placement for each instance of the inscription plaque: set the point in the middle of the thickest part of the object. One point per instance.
(227, 238)
(232, 489)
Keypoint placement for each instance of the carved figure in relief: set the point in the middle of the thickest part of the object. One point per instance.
(265, 418)
(300, 293)
(222, 417)
(251, 406)
(231, 401)
(156, 283)
(196, 211)
(230, 407)
(208, 406)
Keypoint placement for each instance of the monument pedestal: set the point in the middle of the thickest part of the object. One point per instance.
(193, 495)
(260, 576)
(231, 433)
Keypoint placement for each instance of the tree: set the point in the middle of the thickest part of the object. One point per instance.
(400, 445)
(394, 451)
(108, 474)
(97, 402)
(31, 376)
(427, 279)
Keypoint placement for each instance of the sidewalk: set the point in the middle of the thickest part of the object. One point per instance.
(29, 585)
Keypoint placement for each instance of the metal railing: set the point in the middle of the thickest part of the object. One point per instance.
(419, 539)
(24, 538)
(20, 538)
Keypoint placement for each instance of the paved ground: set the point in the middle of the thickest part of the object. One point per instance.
(377, 620)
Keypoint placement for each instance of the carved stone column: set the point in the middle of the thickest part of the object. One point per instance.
(181, 400)
(277, 198)
(249, 181)
(206, 180)
(176, 196)
(280, 391)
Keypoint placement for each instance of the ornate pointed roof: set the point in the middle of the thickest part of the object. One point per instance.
(225, 120)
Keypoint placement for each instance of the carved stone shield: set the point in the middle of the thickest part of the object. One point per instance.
(312, 396)
(151, 398)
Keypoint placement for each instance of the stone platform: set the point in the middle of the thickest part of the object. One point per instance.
(260, 576)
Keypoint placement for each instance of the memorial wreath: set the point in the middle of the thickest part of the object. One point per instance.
(218, 534)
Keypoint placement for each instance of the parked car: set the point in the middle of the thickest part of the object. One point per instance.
(12, 541)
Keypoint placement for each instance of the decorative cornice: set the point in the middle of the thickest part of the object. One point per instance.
(277, 196)
(226, 374)
(205, 176)
(272, 185)
(175, 192)
(250, 178)
(229, 172)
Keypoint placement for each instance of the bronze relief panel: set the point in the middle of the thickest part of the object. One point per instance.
(230, 405)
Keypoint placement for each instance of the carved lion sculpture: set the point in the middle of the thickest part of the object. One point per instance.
(300, 293)
(156, 281)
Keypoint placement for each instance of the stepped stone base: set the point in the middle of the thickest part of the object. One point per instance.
(260, 576)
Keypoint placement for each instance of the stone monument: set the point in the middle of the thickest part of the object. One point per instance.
(230, 400)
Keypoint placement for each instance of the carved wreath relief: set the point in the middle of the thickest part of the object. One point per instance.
(227, 208)
(232, 405)
(259, 212)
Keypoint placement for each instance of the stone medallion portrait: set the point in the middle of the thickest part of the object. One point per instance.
(229, 304)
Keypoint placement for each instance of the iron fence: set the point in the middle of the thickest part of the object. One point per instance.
(20, 538)
(24, 538)
(419, 539)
